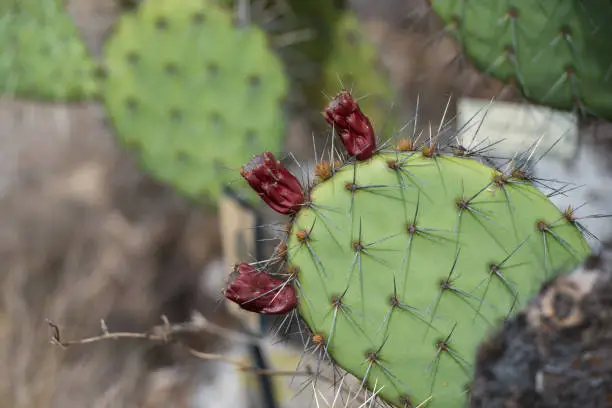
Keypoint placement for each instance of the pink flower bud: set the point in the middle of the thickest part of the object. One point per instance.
(280, 189)
(353, 127)
(259, 292)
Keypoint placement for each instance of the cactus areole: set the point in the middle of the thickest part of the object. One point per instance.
(401, 260)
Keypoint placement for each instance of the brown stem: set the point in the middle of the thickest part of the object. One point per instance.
(167, 333)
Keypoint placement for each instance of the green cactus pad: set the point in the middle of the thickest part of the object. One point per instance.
(556, 51)
(354, 63)
(405, 262)
(195, 94)
(43, 55)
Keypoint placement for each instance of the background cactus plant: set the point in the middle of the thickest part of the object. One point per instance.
(331, 52)
(355, 63)
(43, 55)
(554, 51)
(404, 259)
(195, 93)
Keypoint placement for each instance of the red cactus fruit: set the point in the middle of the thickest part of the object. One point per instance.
(352, 125)
(280, 189)
(259, 292)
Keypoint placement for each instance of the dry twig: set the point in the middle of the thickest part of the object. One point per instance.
(168, 333)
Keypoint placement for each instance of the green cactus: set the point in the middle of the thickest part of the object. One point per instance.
(336, 53)
(194, 93)
(555, 51)
(403, 259)
(306, 34)
(352, 56)
(381, 241)
(43, 54)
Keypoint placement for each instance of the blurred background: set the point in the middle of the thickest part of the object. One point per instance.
(89, 232)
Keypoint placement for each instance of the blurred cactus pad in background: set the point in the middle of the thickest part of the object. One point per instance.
(331, 52)
(190, 89)
(193, 92)
(354, 63)
(557, 52)
(43, 56)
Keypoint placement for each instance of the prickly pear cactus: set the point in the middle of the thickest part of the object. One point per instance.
(401, 259)
(555, 51)
(43, 55)
(194, 93)
(352, 56)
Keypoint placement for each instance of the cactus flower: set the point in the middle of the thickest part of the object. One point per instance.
(259, 292)
(353, 126)
(280, 189)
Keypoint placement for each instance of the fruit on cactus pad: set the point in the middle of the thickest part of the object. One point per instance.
(280, 189)
(403, 262)
(354, 128)
(257, 291)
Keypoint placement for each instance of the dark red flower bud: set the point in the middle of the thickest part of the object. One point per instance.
(353, 127)
(280, 189)
(259, 292)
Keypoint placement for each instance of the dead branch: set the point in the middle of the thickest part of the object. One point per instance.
(168, 333)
